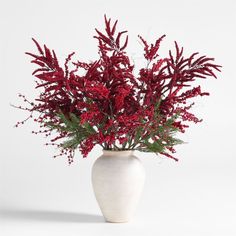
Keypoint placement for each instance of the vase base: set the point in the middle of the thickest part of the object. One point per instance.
(117, 221)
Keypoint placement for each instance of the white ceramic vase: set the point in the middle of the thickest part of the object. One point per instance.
(118, 178)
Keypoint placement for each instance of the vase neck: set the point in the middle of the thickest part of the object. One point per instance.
(118, 153)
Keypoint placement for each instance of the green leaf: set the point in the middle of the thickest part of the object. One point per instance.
(138, 134)
(71, 143)
(54, 126)
(89, 128)
(156, 146)
(75, 119)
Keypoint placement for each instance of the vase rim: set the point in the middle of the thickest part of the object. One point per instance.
(117, 153)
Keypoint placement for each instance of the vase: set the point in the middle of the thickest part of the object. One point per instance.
(118, 178)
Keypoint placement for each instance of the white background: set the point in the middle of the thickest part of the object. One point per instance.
(43, 196)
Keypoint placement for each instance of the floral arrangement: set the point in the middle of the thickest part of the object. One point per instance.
(82, 104)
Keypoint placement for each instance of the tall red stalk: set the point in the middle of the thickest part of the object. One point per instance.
(103, 102)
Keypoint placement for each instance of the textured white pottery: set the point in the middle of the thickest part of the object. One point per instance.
(118, 178)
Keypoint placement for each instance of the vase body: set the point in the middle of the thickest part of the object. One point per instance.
(118, 178)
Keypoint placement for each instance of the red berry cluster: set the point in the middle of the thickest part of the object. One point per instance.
(123, 110)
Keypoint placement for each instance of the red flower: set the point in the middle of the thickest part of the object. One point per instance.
(122, 93)
(104, 102)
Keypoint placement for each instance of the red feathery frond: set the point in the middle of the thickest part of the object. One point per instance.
(104, 102)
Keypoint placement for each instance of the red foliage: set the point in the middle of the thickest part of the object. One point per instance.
(109, 97)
